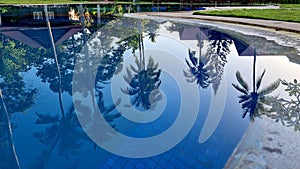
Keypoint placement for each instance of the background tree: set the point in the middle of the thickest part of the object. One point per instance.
(15, 59)
(283, 110)
(218, 49)
(2, 11)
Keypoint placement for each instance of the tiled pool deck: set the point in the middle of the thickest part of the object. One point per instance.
(277, 25)
(267, 144)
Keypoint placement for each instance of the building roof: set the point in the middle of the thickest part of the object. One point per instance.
(39, 37)
(193, 33)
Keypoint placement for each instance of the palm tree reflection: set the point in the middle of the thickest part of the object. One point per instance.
(143, 80)
(8, 155)
(208, 68)
(197, 70)
(64, 132)
(144, 84)
(151, 29)
(253, 101)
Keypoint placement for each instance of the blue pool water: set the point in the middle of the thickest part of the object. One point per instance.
(133, 93)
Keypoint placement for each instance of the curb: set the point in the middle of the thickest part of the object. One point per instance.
(278, 27)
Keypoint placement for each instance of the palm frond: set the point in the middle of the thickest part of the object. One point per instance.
(113, 106)
(284, 82)
(254, 112)
(134, 69)
(156, 98)
(131, 91)
(241, 81)
(135, 100)
(158, 73)
(192, 57)
(191, 80)
(155, 66)
(127, 79)
(189, 64)
(150, 63)
(187, 74)
(269, 89)
(203, 82)
(125, 91)
(46, 118)
(244, 98)
(237, 87)
(261, 109)
(247, 104)
(101, 105)
(259, 79)
(158, 84)
(129, 74)
(245, 113)
(138, 63)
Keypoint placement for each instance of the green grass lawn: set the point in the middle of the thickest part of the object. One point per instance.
(72, 1)
(295, 6)
(39, 1)
(289, 13)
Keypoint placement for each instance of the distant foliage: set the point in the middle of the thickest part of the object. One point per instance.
(286, 111)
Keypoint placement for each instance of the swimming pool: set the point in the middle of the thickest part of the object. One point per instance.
(137, 93)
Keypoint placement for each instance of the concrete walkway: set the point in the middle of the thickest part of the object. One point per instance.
(266, 145)
(277, 25)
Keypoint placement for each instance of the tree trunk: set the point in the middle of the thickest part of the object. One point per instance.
(7, 149)
(56, 60)
(87, 60)
(253, 75)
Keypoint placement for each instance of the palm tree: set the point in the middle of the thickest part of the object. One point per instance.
(143, 84)
(197, 70)
(107, 111)
(198, 66)
(144, 80)
(56, 59)
(66, 133)
(253, 101)
(151, 28)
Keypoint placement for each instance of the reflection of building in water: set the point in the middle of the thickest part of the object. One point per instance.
(193, 33)
(39, 37)
(244, 43)
(33, 15)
